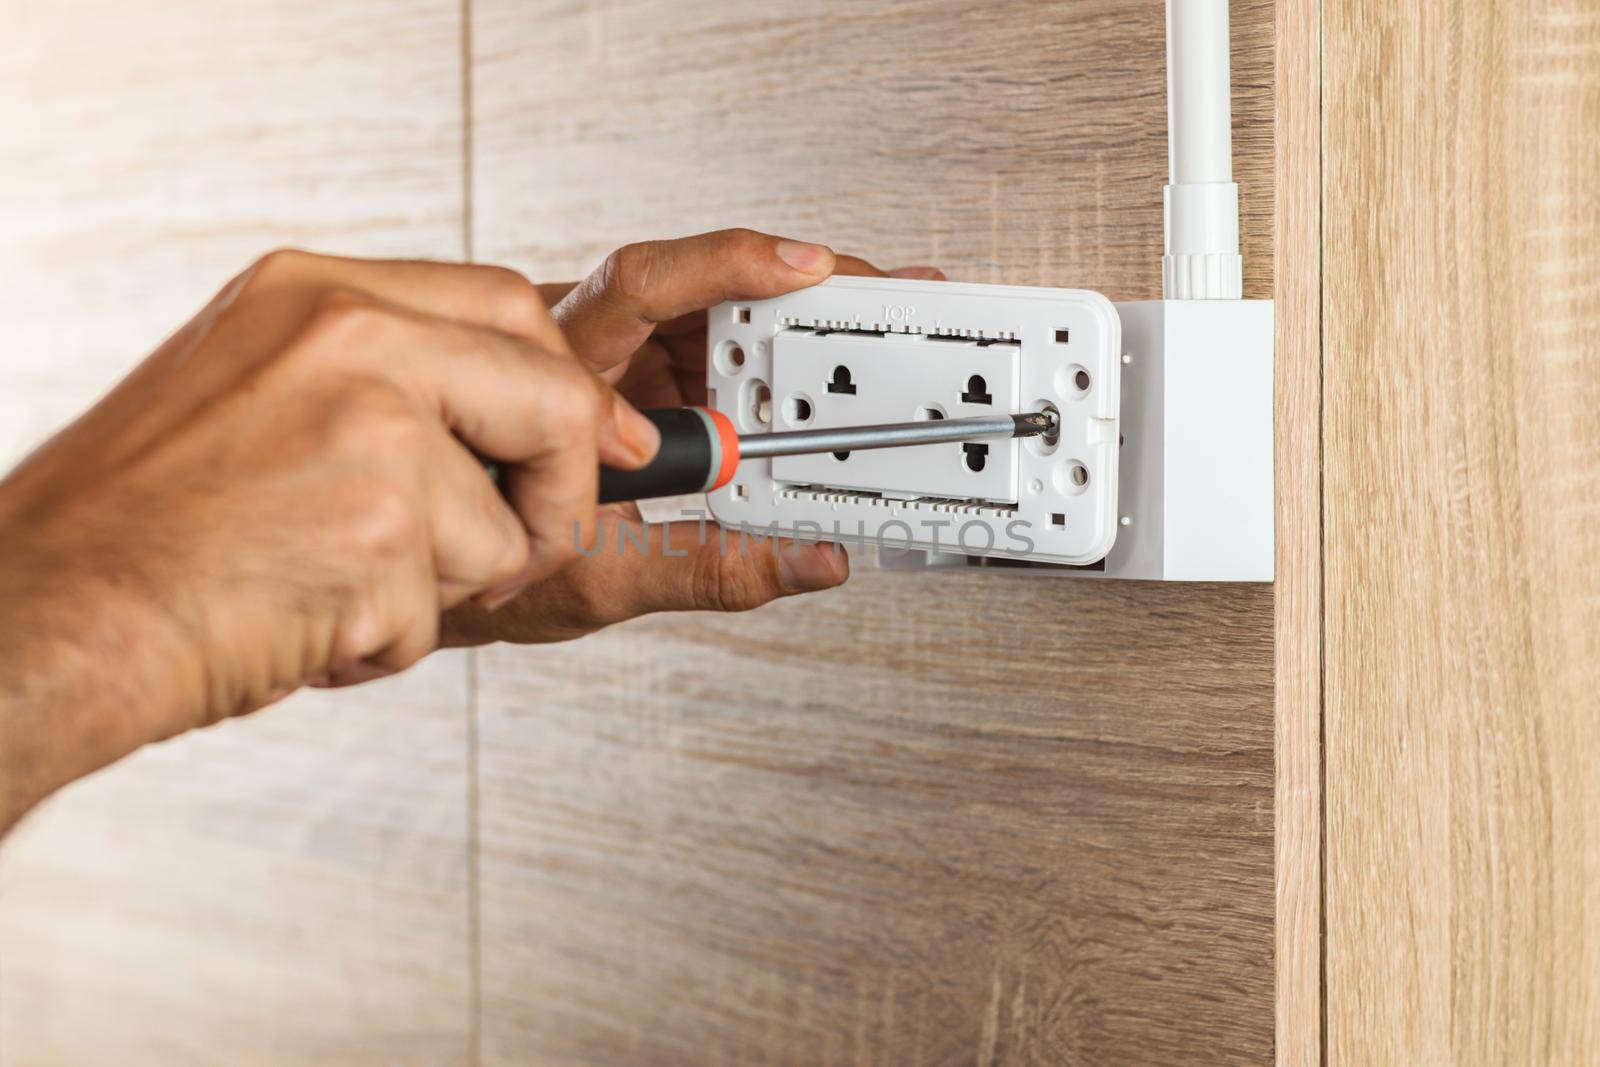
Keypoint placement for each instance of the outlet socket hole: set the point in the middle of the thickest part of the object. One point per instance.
(977, 391)
(975, 455)
(841, 382)
(930, 413)
(841, 456)
(797, 410)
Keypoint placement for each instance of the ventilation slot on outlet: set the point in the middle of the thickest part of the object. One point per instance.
(824, 327)
(836, 331)
(816, 494)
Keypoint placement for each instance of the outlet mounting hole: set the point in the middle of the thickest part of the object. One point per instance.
(729, 358)
(797, 409)
(755, 407)
(741, 315)
(1046, 443)
(1071, 478)
(975, 456)
(1058, 520)
(1073, 382)
(977, 391)
(841, 382)
(1062, 336)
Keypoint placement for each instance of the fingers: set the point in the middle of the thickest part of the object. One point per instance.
(610, 313)
(551, 422)
(860, 268)
(857, 267)
(404, 610)
(513, 401)
(411, 387)
(724, 571)
(481, 545)
(487, 296)
(681, 567)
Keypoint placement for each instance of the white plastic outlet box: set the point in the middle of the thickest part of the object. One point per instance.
(1197, 495)
(1196, 489)
(857, 351)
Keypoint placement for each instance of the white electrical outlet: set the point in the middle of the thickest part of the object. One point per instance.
(858, 351)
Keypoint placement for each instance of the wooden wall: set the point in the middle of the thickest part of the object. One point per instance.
(960, 818)
(1462, 546)
(956, 818)
(294, 888)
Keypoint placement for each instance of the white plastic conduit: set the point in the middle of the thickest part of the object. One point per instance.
(1202, 201)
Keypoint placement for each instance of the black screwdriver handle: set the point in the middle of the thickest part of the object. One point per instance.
(699, 453)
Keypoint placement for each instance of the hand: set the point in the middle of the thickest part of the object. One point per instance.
(640, 322)
(287, 492)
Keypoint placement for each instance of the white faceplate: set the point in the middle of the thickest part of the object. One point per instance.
(912, 349)
(918, 377)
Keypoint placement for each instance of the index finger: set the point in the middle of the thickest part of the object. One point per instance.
(611, 313)
(495, 298)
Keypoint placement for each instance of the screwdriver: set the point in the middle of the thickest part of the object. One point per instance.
(700, 449)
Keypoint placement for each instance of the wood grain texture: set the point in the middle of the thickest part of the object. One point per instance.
(1462, 506)
(1297, 600)
(291, 888)
(965, 818)
(840, 832)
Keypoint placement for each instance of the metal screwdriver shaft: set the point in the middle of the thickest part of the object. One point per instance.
(894, 435)
(700, 449)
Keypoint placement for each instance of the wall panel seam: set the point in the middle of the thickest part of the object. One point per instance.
(474, 881)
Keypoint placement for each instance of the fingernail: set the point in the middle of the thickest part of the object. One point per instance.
(932, 274)
(807, 259)
(641, 435)
(808, 568)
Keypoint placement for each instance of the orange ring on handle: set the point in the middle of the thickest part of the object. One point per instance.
(730, 449)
